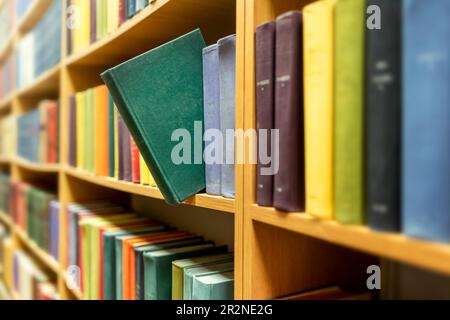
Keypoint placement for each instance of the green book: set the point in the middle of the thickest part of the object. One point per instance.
(203, 270)
(109, 253)
(139, 259)
(179, 267)
(349, 111)
(217, 286)
(174, 70)
(158, 268)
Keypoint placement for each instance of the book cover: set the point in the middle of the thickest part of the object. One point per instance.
(426, 120)
(349, 111)
(101, 131)
(227, 95)
(265, 107)
(289, 182)
(383, 118)
(153, 115)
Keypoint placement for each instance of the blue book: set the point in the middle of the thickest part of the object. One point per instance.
(211, 91)
(28, 136)
(426, 119)
(54, 208)
(131, 8)
(227, 71)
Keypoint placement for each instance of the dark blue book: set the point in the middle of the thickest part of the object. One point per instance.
(131, 8)
(383, 118)
(426, 119)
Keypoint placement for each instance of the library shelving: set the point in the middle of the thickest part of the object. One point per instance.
(275, 253)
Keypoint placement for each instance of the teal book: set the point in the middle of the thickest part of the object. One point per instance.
(109, 261)
(217, 286)
(158, 268)
(162, 120)
(139, 259)
(189, 273)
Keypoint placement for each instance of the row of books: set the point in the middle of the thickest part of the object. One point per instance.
(28, 279)
(11, 13)
(371, 125)
(219, 91)
(124, 256)
(167, 123)
(99, 141)
(36, 211)
(38, 137)
(40, 49)
(6, 74)
(8, 137)
(94, 19)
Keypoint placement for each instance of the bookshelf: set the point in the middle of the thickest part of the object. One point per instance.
(275, 253)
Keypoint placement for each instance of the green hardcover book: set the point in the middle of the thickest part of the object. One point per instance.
(179, 267)
(139, 259)
(158, 268)
(217, 286)
(349, 103)
(109, 252)
(111, 135)
(203, 270)
(154, 116)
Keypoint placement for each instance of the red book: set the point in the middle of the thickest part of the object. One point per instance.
(135, 164)
(122, 11)
(52, 133)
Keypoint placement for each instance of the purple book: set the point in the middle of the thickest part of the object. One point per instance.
(128, 172)
(54, 208)
(121, 129)
(93, 21)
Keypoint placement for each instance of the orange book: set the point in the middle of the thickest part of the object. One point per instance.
(132, 258)
(101, 131)
(155, 238)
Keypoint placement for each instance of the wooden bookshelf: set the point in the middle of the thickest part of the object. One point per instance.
(274, 251)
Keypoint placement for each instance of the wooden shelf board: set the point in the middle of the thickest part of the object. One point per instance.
(46, 84)
(159, 22)
(45, 258)
(199, 200)
(6, 220)
(33, 15)
(5, 160)
(75, 292)
(37, 167)
(428, 255)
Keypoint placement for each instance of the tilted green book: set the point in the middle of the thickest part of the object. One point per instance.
(189, 274)
(349, 111)
(158, 268)
(179, 268)
(160, 95)
(217, 286)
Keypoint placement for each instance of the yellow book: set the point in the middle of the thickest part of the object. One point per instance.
(76, 28)
(319, 106)
(85, 24)
(8, 249)
(113, 15)
(80, 129)
(145, 173)
(116, 146)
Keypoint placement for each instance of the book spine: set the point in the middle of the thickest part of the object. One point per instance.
(135, 162)
(227, 76)
(319, 104)
(426, 120)
(127, 174)
(122, 11)
(349, 104)
(212, 118)
(111, 140)
(121, 166)
(289, 182)
(265, 95)
(383, 119)
(93, 21)
(163, 185)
